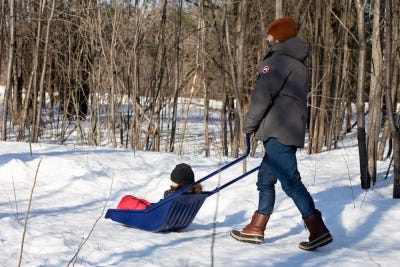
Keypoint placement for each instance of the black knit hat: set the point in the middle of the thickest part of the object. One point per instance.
(182, 174)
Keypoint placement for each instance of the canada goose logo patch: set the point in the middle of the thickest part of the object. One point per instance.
(265, 69)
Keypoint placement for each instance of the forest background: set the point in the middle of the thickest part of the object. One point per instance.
(114, 72)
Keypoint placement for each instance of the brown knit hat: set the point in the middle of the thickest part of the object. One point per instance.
(283, 28)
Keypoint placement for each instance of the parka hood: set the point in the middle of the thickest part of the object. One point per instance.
(293, 47)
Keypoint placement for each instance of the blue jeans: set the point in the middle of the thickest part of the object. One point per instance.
(280, 163)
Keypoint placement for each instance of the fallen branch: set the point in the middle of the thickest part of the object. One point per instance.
(84, 240)
(27, 214)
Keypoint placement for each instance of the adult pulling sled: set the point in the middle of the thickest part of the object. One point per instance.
(178, 210)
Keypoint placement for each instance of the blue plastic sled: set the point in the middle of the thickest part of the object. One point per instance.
(176, 211)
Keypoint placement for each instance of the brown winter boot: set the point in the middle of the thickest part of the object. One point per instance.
(253, 232)
(319, 234)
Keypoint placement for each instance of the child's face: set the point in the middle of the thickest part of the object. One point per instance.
(173, 184)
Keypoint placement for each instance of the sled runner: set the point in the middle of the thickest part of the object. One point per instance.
(178, 210)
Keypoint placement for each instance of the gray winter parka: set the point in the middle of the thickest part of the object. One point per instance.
(278, 104)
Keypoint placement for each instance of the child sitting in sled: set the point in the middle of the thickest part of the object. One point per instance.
(181, 176)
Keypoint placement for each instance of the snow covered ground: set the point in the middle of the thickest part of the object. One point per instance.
(75, 185)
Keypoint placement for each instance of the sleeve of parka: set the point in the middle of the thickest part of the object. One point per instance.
(270, 81)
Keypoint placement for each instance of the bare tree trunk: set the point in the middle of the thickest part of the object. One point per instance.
(112, 74)
(136, 124)
(188, 103)
(375, 94)
(341, 100)
(11, 55)
(31, 92)
(241, 25)
(36, 128)
(204, 79)
(362, 150)
(388, 100)
(387, 135)
(225, 96)
(325, 114)
(192, 90)
(278, 9)
(224, 124)
(315, 80)
(232, 76)
(158, 77)
(386, 139)
(177, 70)
(3, 15)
